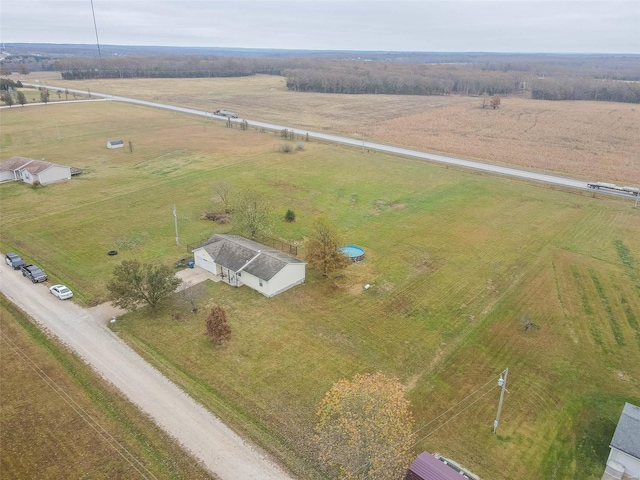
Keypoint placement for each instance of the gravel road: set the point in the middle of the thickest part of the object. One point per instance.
(221, 450)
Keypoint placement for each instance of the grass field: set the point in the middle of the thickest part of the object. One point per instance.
(60, 421)
(455, 259)
(589, 140)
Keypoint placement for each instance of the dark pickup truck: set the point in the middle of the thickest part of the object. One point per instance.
(14, 261)
(33, 273)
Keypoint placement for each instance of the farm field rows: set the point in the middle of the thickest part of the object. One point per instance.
(455, 260)
(60, 421)
(594, 141)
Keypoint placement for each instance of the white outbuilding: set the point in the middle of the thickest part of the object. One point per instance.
(239, 261)
(115, 144)
(33, 171)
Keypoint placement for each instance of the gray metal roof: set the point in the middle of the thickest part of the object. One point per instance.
(627, 435)
(233, 252)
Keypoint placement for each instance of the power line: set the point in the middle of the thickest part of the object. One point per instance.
(429, 423)
(81, 412)
(438, 428)
(95, 26)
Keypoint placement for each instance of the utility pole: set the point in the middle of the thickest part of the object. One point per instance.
(502, 382)
(175, 220)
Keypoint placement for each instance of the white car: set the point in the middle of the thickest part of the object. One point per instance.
(61, 292)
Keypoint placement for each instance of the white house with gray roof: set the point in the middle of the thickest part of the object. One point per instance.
(33, 171)
(624, 458)
(240, 261)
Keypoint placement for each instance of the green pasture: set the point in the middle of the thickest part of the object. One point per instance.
(455, 260)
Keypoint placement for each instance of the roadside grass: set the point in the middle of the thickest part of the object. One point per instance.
(60, 432)
(582, 139)
(454, 258)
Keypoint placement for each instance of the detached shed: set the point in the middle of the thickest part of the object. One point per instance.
(115, 144)
(428, 467)
(239, 261)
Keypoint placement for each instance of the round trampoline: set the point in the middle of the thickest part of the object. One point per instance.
(354, 252)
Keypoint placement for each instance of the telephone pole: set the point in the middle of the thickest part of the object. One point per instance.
(175, 220)
(502, 382)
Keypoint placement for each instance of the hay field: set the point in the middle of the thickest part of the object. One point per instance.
(455, 259)
(595, 141)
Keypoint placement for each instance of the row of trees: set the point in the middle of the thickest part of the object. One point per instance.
(546, 78)
(572, 88)
(168, 66)
(403, 80)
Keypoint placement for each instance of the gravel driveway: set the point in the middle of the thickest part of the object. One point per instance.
(221, 450)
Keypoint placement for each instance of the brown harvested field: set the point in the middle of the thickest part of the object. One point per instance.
(590, 140)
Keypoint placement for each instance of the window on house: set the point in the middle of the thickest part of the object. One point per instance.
(260, 282)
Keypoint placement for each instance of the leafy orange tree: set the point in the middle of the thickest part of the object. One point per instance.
(363, 428)
(323, 248)
(216, 326)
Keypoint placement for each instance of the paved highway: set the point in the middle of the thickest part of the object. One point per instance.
(406, 152)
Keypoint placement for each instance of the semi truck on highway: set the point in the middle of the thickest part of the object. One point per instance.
(612, 186)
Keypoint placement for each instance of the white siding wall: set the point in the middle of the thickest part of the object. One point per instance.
(6, 175)
(291, 275)
(631, 464)
(55, 173)
(254, 282)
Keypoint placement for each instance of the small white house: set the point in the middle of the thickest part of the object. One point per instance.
(624, 457)
(115, 144)
(33, 171)
(240, 261)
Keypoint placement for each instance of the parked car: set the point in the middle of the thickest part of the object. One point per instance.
(33, 273)
(61, 291)
(14, 260)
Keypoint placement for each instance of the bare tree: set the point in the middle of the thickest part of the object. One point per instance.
(527, 323)
(222, 190)
(251, 214)
(191, 293)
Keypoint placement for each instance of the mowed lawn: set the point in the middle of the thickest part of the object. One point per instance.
(455, 260)
(59, 420)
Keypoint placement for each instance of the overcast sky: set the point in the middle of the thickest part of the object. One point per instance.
(433, 26)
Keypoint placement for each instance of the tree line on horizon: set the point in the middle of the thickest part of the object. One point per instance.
(541, 77)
